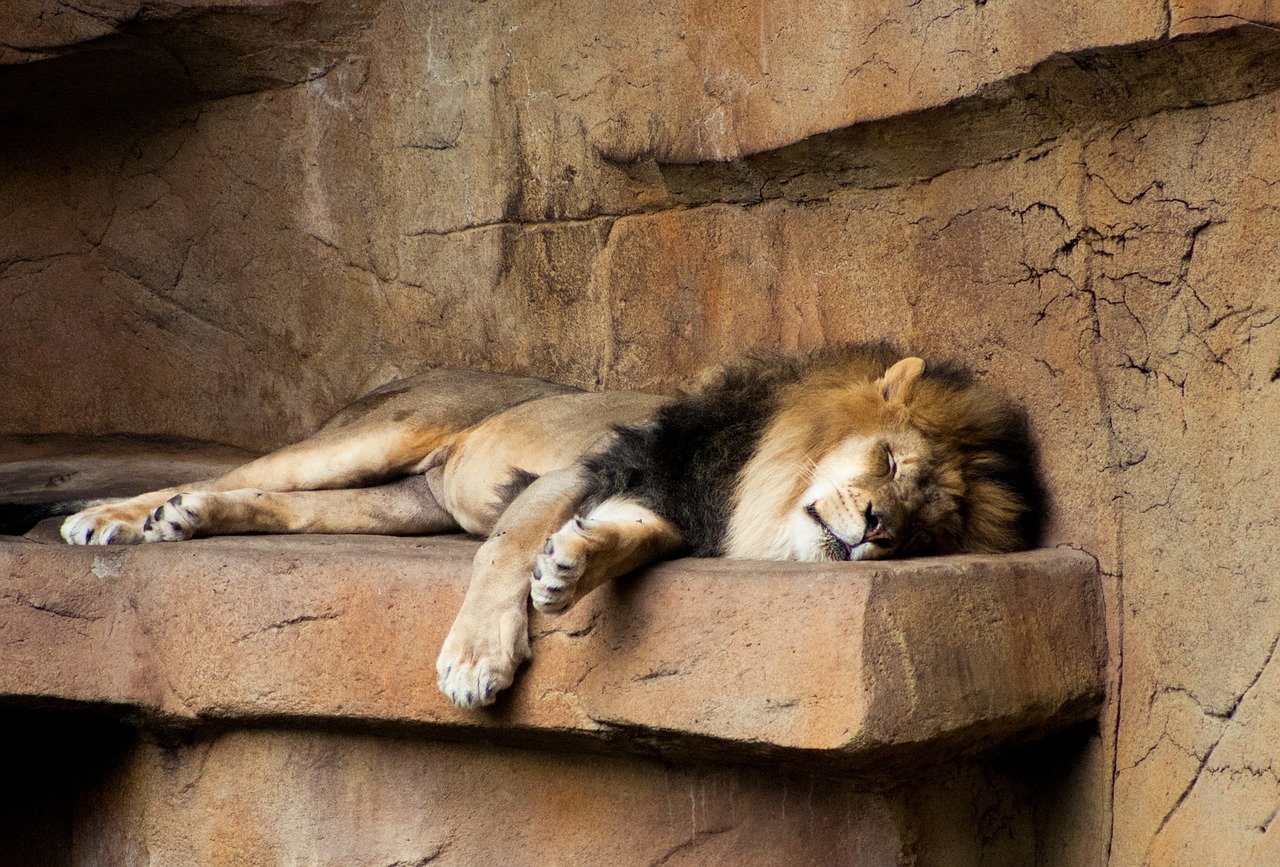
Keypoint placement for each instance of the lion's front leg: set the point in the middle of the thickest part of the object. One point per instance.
(490, 636)
(489, 639)
(614, 538)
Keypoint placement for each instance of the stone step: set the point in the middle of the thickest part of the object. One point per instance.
(842, 666)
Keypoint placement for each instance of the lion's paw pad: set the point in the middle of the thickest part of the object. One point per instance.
(176, 519)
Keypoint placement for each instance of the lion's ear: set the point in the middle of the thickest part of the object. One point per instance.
(897, 380)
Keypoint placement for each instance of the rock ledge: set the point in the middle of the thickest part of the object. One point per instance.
(844, 666)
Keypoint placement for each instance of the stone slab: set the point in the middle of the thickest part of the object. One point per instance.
(843, 665)
(41, 468)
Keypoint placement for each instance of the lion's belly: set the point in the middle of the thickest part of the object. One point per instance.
(537, 437)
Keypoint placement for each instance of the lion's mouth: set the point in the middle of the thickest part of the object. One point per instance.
(874, 534)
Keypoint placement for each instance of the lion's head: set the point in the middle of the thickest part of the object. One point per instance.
(866, 460)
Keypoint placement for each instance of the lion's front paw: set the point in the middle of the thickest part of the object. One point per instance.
(102, 525)
(176, 519)
(480, 657)
(557, 570)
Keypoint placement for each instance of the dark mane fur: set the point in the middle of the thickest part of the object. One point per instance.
(685, 465)
(995, 438)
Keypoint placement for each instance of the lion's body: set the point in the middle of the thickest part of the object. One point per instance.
(731, 464)
(841, 454)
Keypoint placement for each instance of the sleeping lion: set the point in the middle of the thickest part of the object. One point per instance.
(849, 453)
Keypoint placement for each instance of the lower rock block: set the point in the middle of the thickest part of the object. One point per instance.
(272, 700)
(281, 795)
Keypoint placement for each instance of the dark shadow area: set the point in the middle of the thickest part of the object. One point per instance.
(57, 769)
(1058, 775)
(199, 53)
(1024, 114)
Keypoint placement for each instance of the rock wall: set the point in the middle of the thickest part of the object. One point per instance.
(367, 800)
(1084, 205)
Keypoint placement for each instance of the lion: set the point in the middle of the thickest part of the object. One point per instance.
(856, 452)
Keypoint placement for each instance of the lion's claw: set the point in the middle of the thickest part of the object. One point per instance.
(176, 519)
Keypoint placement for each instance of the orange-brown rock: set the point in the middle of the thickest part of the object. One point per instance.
(243, 700)
(1079, 201)
(846, 666)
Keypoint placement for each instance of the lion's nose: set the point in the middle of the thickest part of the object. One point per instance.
(876, 531)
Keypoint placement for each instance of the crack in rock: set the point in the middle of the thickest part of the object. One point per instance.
(282, 625)
(1227, 718)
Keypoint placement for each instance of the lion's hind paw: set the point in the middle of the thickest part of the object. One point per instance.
(176, 519)
(101, 525)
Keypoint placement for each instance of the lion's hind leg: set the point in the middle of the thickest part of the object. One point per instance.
(403, 429)
(359, 456)
(405, 507)
(612, 539)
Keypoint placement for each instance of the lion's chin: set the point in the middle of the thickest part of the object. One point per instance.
(870, 551)
(832, 549)
(814, 541)
(835, 548)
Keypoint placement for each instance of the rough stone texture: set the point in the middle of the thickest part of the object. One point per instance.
(284, 688)
(173, 49)
(275, 796)
(1083, 206)
(695, 82)
(41, 469)
(852, 667)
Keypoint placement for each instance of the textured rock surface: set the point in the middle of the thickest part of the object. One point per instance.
(269, 796)
(285, 690)
(839, 668)
(112, 51)
(1084, 207)
(49, 468)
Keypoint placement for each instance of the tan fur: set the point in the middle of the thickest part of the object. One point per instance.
(538, 437)
(849, 452)
(424, 455)
(489, 638)
(818, 415)
(613, 539)
(433, 454)
(406, 427)
(404, 507)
